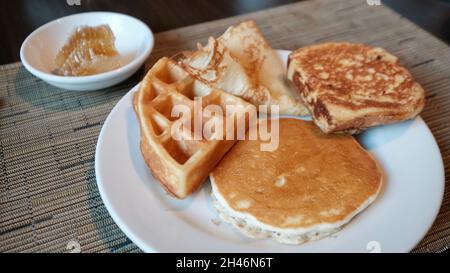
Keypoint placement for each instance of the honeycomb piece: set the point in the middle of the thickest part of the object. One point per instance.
(89, 50)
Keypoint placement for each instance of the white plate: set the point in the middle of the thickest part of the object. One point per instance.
(134, 41)
(405, 209)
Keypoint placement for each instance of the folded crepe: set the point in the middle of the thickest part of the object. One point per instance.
(242, 63)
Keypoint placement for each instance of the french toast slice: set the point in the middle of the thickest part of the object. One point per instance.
(351, 87)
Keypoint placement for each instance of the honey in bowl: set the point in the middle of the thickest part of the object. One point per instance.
(89, 51)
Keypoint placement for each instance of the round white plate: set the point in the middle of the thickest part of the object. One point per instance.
(399, 218)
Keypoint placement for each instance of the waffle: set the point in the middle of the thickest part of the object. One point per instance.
(176, 158)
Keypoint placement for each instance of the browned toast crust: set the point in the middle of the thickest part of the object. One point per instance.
(350, 87)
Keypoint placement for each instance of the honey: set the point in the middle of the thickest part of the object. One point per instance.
(89, 51)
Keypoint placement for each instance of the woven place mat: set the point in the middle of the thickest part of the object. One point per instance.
(49, 201)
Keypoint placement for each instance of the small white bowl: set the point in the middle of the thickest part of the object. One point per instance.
(134, 41)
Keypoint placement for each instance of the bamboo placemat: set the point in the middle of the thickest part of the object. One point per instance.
(49, 200)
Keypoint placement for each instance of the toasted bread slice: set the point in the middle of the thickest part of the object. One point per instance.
(243, 53)
(350, 87)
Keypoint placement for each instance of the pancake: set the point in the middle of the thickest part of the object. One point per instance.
(308, 188)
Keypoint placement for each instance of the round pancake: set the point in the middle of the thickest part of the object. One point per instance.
(306, 189)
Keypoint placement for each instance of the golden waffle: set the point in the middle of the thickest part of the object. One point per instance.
(180, 165)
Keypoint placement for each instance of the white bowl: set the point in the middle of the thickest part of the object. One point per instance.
(134, 41)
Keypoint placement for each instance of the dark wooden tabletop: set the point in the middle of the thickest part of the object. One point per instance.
(20, 17)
